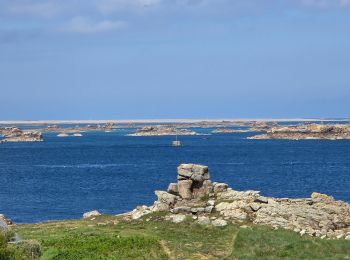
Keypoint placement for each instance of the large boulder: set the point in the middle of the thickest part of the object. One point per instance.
(165, 197)
(193, 181)
(195, 172)
(185, 189)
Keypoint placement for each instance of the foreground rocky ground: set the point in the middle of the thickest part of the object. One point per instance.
(194, 219)
(150, 237)
(211, 203)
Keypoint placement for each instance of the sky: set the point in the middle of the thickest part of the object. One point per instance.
(143, 59)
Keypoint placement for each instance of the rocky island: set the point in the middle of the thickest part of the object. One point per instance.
(14, 134)
(161, 131)
(229, 131)
(307, 131)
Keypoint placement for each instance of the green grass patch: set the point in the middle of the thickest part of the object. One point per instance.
(109, 237)
(266, 243)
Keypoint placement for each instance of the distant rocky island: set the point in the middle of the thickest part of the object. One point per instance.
(14, 134)
(229, 131)
(268, 129)
(161, 131)
(307, 131)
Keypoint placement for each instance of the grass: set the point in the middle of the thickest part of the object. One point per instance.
(109, 237)
(19, 251)
(266, 243)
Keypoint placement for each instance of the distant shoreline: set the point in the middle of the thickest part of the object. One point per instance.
(130, 121)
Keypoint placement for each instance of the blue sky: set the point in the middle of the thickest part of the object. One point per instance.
(129, 59)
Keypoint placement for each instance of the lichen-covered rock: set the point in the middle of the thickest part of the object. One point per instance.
(91, 214)
(320, 215)
(204, 220)
(165, 197)
(194, 172)
(176, 218)
(220, 187)
(140, 211)
(219, 222)
(185, 189)
(173, 189)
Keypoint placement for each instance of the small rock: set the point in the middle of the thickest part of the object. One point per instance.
(347, 237)
(220, 187)
(181, 210)
(197, 210)
(165, 197)
(90, 214)
(219, 222)
(203, 220)
(177, 218)
(255, 206)
(303, 232)
(209, 209)
(173, 189)
(140, 212)
(319, 197)
(340, 236)
(261, 199)
(211, 202)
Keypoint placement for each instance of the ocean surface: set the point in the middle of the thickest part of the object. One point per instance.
(62, 178)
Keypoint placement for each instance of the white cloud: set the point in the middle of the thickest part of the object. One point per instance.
(110, 6)
(87, 26)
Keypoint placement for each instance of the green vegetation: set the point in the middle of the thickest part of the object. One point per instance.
(266, 243)
(17, 251)
(109, 237)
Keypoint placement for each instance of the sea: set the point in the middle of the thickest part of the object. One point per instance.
(61, 178)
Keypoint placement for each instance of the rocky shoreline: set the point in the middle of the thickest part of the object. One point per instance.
(212, 203)
(307, 131)
(161, 131)
(14, 134)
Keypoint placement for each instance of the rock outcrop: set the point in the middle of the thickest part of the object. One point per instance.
(230, 130)
(4, 223)
(307, 131)
(14, 134)
(91, 214)
(161, 131)
(212, 203)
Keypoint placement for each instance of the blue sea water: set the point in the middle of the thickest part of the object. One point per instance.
(62, 178)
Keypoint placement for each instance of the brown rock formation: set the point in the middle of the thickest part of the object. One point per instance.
(307, 131)
(215, 203)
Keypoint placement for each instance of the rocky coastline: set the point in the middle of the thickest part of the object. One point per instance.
(307, 131)
(14, 134)
(212, 203)
(161, 131)
(229, 131)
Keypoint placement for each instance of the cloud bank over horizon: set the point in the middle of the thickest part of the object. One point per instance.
(223, 58)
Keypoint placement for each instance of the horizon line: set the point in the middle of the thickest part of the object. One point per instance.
(194, 120)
